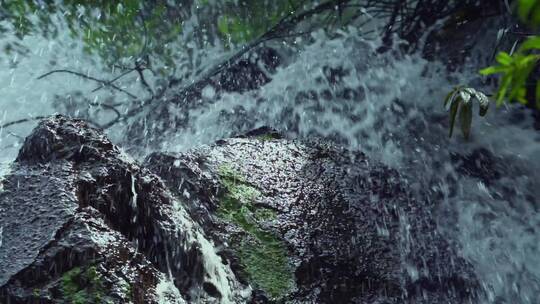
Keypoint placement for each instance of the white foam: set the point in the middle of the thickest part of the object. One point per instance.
(167, 293)
(215, 271)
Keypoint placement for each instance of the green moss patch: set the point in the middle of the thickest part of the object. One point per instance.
(266, 137)
(262, 254)
(82, 286)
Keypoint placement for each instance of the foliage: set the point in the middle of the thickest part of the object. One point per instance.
(529, 12)
(132, 28)
(114, 30)
(128, 29)
(460, 99)
(248, 20)
(262, 254)
(515, 70)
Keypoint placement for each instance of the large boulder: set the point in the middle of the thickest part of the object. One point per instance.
(82, 223)
(308, 222)
(253, 219)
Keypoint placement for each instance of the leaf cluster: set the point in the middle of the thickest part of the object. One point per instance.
(460, 100)
(515, 70)
(114, 30)
(245, 21)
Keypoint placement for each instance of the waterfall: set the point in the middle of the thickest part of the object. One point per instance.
(339, 87)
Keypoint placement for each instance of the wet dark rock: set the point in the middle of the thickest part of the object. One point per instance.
(349, 228)
(300, 222)
(480, 164)
(460, 33)
(80, 219)
(249, 73)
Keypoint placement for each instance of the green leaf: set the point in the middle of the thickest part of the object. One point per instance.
(521, 94)
(535, 16)
(453, 114)
(465, 96)
(483, 101)
(530, 44)
(504, 58)
(223, 24)
(493, 70)
(450, 97)
(524, 8)
(461, 100)
(519, 82)
(503, 88)
(465, 117)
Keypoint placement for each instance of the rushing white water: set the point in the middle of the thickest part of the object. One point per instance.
(168, 293)
(4, 169)
(388, 105)
(215, 272)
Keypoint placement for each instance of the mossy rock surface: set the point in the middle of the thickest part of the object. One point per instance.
(80, 286)
(246, 220)
(262, 253)
(309, 222)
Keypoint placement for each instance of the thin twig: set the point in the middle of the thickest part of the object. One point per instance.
(113, 80)
(20, 121)
(104, 82)
(14, 135)
(112, 108)
(286, 23)
(143, 81)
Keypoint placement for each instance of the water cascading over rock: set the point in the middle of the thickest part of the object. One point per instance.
(74, 204)
(253, 219)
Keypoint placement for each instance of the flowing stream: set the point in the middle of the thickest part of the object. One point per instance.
(340, 88)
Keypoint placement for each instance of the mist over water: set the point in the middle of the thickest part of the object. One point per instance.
(388, 105)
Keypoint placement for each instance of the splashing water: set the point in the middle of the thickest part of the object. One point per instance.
(168, 293)
(388, 105)
(216, 273)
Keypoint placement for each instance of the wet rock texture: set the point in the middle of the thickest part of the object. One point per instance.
(350, 230)
(81, 223)
(298, 222)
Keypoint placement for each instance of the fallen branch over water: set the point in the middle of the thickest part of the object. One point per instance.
(20, 121)
(103, 82)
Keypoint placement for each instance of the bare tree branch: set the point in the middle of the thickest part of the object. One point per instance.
(20, 121)
(285, 25)
(103, 82)
(113, 80)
